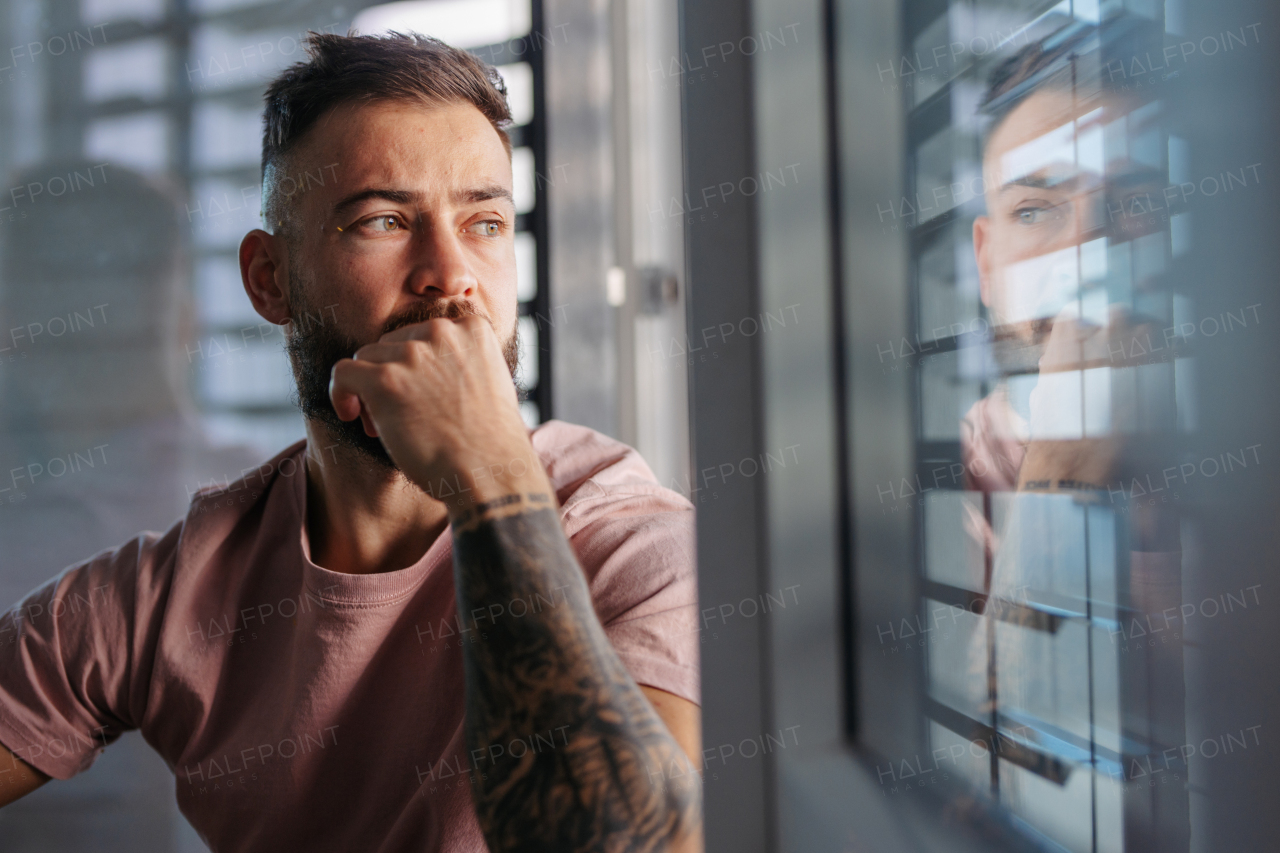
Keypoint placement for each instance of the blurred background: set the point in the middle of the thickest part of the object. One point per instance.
(133, 369)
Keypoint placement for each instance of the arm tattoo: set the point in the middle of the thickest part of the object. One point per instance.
(605, 784)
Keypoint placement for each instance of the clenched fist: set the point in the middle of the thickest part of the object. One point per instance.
(1085, 429)
(440, 397)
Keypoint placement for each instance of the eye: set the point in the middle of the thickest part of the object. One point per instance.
(486, 228)
(386, 223)
(1037, 214)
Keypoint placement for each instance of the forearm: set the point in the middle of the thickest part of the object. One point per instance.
(606, 783)
(17, 778)
(1096, 469)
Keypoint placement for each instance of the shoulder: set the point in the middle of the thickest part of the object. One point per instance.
(597, 476)
(634, 540)
(633, 537)
(216, 510)
(256, 478)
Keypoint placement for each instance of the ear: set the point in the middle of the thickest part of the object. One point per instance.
(264, 269)
(982, 254)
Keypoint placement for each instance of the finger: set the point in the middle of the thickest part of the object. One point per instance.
(414, 332)
(432, 329)
(448, 338)
(1075, 328)
(476, 324)
(351, 384)
(469, 335)
(383, 352)
(429, 329)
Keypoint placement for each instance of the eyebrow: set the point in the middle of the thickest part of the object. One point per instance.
(1070, 183)
(1037, 181)
(1118, 181)
(487, 192)
(384, 193)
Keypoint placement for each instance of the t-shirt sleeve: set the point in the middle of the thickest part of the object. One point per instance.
(639, 556)
(76, 655)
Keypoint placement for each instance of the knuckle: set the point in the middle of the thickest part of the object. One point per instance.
(400, 382)
(416, 352)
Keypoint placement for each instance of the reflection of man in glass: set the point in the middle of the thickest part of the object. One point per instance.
(1065, 267)
(99, 438)
(1060, 259)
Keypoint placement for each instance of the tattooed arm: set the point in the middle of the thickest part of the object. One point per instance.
(603, 771)
(606, 784)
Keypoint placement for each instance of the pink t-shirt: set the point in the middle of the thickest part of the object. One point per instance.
(305, 709)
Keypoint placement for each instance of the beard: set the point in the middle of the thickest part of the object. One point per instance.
(316, 344)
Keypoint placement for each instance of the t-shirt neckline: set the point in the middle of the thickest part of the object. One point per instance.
(358, 590)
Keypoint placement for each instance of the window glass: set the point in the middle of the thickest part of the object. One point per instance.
(519, 79)
(461, 23)
(93, 11)
(224, 57)
(215, 6)
(527, 374)
(523, 179)
(224, 136)
(526, 266)
(1042, 220)
(220, 296)
(138, 140)
(134, 69)
(243, 372)
(221, 211)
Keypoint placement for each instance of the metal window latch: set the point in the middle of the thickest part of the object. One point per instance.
(658, 289)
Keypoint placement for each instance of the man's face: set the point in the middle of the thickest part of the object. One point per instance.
(1059, 198)
(407, 215)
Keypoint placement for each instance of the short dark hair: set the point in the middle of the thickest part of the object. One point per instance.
(367, 68)
(1052, 63)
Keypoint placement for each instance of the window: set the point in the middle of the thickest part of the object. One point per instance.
(504, 34)
(1047, 381)
(1031, 524)
(182, 96)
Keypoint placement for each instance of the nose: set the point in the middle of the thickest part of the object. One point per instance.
(442, 268)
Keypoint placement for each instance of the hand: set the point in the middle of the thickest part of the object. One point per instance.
(1077, 344)
(1062, 450)
(1109, 460)
(440, 397)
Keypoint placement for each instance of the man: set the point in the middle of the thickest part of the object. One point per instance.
(297, 648)
(1070, 250)
(1064, 257)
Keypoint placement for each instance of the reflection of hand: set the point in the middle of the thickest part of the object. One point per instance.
(1074, 444)
(1077, 344)
(440, 397)
(1087, 464)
